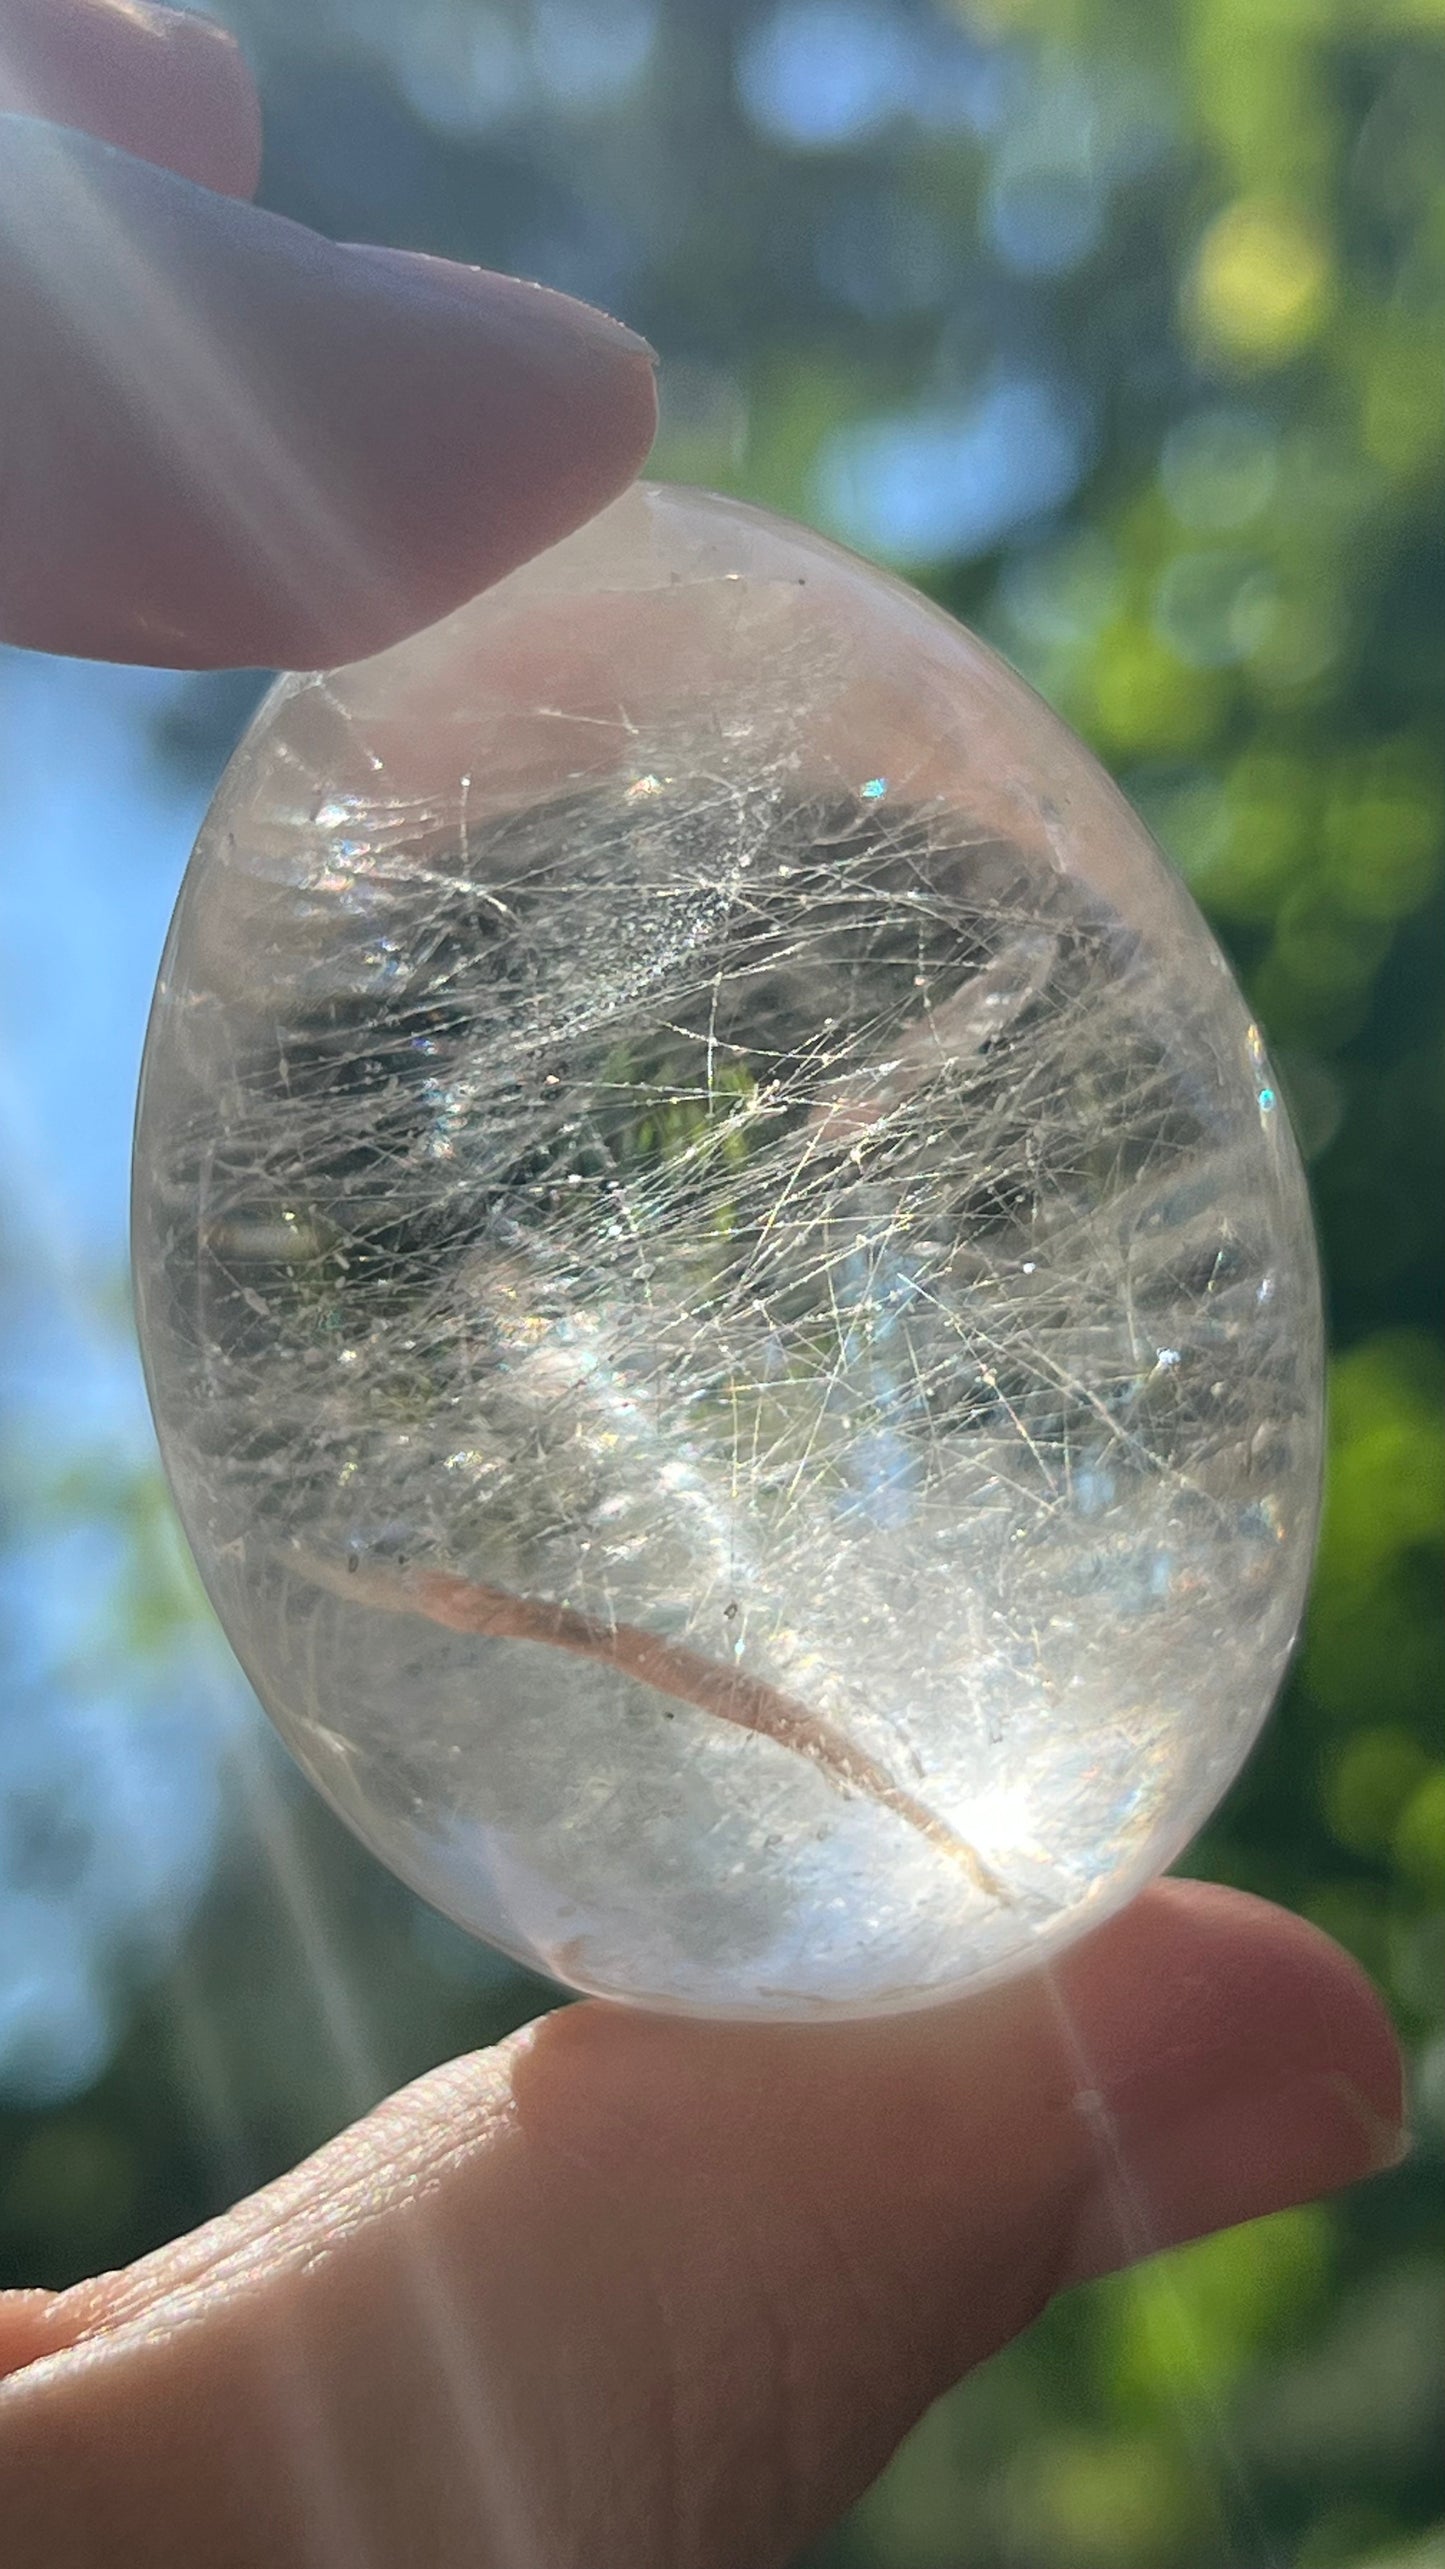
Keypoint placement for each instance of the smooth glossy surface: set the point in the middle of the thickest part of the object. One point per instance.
(729, 1301)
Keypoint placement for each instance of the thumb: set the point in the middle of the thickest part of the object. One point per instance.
(634, 2292)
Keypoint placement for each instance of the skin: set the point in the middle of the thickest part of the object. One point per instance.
(622, 2291)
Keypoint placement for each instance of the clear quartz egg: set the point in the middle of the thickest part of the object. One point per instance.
(728, 1297)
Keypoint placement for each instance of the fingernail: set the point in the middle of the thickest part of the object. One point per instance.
(1252, 2154)
(591, 322)
(539, 313)
(155, 14)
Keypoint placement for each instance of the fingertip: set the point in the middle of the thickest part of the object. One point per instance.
(1254, 2069)
(1243, 1990)
(242, 444)
(509, 414)
(215, 109)
(167, 85)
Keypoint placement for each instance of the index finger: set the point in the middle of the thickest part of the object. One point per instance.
(227, 440)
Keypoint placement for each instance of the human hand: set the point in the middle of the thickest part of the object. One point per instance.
(225, 440)
(622, 2291)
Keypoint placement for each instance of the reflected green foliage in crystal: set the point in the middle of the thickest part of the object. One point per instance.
(736, 1338)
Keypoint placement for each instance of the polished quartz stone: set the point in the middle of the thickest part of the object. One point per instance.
(727, 1293)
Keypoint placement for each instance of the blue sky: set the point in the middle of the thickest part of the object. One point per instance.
(109, 1770)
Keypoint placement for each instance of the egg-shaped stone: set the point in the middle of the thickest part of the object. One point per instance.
(727, 1293)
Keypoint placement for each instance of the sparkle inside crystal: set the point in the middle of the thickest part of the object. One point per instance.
(738, 1347)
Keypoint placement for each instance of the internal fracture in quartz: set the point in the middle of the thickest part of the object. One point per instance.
(464, 1605)
(741, 1360)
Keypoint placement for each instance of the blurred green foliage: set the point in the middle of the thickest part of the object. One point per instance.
(1200, 246)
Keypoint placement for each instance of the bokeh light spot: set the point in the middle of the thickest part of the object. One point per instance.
(823, 73)
(951, 481)
(1044, 221)
(1219, 469)
(1262, 282)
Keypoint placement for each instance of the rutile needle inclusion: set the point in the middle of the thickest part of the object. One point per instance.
(728, 1297)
